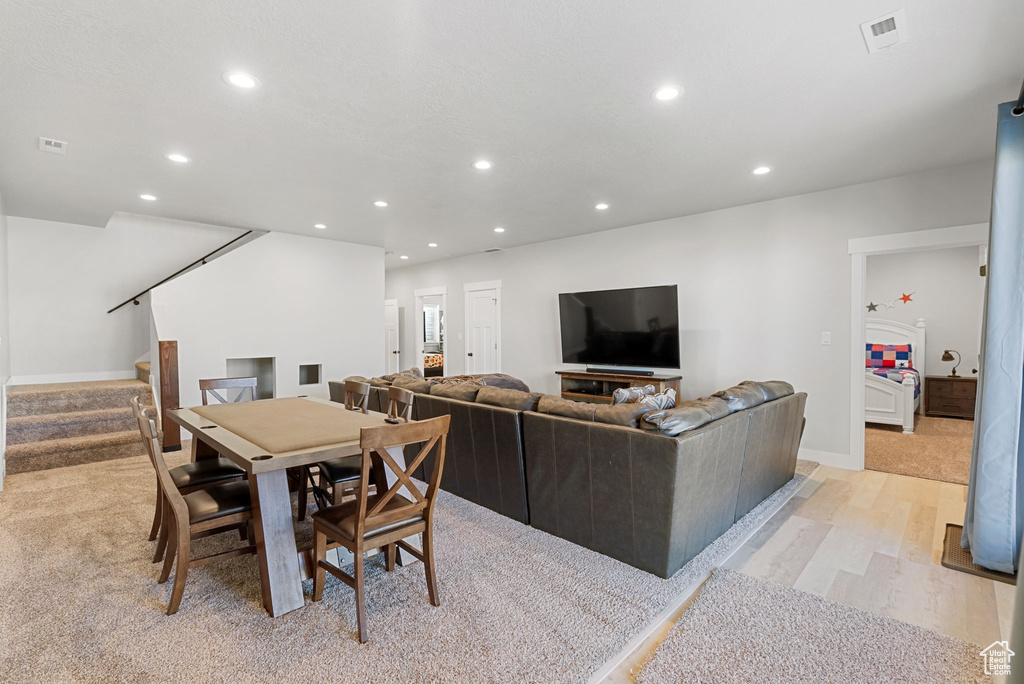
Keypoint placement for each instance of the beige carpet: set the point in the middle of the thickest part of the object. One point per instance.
(80, 602)
(744, 629)
(939, 449)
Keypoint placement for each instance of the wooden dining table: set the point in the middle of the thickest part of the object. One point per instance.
(266, 438)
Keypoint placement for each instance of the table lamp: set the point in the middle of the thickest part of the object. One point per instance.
(947, 355)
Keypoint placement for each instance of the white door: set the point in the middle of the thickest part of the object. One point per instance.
(482, 331)
(392, 358)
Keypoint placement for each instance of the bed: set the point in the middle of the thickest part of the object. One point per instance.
(894, 393)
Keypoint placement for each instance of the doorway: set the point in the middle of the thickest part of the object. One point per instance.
(431, 314)
(483, 327)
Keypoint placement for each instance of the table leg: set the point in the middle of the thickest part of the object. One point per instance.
(275, 543)
(201, 450)
(404, 558)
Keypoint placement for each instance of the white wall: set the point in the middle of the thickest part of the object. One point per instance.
(297, 299)
(64, 277)
(5, 329)
(948, 292)
(758, 285)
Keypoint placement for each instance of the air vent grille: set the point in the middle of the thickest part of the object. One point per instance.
(53, 146)
(883, 27)
(885, 31)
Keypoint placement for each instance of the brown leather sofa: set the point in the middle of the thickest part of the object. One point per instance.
(651, 500)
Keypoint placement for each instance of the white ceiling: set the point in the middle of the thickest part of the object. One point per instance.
(365, 100)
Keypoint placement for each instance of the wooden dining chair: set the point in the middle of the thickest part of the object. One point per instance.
(210, 510)
(186, 478)
(386, 519)
(246, 387)
(400, 403)
(340, 474)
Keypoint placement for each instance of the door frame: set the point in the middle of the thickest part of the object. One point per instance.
(468, 288)
(418, 313)
(860, 249)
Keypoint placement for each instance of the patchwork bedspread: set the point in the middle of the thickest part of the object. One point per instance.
(898, 374)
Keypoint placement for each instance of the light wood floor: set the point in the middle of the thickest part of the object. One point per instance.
(873, 541)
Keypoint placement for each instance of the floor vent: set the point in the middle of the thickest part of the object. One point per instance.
(885, 31)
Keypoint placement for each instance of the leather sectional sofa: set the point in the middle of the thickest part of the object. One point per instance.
(594, 476)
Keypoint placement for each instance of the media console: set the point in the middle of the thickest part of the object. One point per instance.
(597, 388)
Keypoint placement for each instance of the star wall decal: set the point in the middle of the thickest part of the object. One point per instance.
(906, 298)
(872, 307)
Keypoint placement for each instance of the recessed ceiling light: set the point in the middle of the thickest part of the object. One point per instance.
(761, 170)
(380, 203)
(240, 79)
(319, 225)
(601, 207)
(666, 93)
(432, 244)
(148, 197)
(482, 165)
(403, 257)
(499, 229)
(177, 157)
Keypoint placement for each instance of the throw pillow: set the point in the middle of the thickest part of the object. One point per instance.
(630, 395)
(658, 402)
(888, 356)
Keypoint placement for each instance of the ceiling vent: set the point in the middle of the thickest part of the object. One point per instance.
(885, 31)
(52, 146)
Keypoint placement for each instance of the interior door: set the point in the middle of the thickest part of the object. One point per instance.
(482, 331)
(392, 356)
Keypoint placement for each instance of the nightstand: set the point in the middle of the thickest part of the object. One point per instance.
(953, 397)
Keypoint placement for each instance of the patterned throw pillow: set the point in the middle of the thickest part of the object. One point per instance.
(659, 402)
(631, 395)
(888, 356)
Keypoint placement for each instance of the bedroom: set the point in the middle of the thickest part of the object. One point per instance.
(918, 415)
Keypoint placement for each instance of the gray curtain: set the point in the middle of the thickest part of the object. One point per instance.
(995, 509)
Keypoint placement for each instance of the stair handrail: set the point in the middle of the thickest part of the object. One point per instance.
(200, 260)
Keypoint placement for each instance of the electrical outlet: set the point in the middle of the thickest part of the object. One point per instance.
(826, 338)
(458, 336)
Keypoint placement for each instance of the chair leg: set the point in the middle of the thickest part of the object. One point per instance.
(428, 565)
(303, 492)
(181, 572)
(172, 538)
(391, 550)
(167, 521)
(319, 554)
(157, 510)
(360, 595)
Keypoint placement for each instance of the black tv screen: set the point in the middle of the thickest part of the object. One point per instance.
(635, 327)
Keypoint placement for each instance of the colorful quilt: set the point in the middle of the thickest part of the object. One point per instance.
(897, 375)
(433, 360)
(888, 356)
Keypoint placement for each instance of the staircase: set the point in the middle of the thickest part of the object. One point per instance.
(142, 371)
(63, 424)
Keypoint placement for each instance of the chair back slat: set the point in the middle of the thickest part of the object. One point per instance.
(400, 403)
(357, 396)
(151, 438)
(246, 389)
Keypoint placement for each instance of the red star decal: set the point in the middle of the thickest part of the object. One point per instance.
(906, 298)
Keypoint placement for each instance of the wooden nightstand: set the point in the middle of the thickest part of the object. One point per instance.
(946, 396)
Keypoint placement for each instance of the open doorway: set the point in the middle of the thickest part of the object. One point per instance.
(431, 305)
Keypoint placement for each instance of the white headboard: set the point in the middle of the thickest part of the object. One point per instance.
(881, 331)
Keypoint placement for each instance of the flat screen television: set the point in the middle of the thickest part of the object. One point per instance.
(634, 327)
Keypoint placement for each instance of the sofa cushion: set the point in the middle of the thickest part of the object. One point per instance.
(741, 397)
(508, 398)
(410, 373)
(463, 391)
(556, 406)
(502, 380)
(356, 378)
(689, 415)
(772, 389)
(418, 385)
(379, 382)
(628, 415)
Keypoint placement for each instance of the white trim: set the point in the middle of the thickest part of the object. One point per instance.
(666, 614)
(467, 288)
(825, 458)
(70, 377)
(482, 285)
(859, 249)
(430, 291)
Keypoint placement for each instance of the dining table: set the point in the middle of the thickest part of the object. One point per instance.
(266, 438)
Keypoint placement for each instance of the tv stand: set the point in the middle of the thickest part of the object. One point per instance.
(615, 371)
(597, 387)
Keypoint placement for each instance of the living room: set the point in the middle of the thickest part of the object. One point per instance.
(370, 221)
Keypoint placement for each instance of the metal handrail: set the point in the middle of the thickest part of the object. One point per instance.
(200, 260)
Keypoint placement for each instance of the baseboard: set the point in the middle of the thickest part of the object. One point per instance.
(827, 458)
(70, 377)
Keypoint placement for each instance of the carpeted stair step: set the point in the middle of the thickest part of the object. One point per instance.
(142, 371)
(72, 397)
(25, 429)
(56, 453)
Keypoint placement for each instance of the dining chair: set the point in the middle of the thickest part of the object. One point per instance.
(400, 403)
(385, 519)
(213, 509)
(186, 478)
(340, 474)
(246, 387)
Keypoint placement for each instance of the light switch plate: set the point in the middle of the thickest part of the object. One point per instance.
(826, 338)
